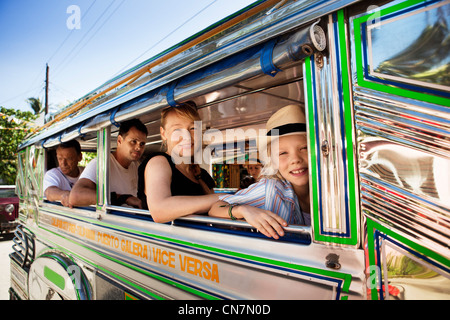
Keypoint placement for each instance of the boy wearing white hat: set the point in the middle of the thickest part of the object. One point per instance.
(281, 196)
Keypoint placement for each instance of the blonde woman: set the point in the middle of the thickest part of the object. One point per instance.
(169, 183)
(281, 196)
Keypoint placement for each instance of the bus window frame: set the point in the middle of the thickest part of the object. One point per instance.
(294, 234)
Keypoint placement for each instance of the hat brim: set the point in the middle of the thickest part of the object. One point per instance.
(287, 129)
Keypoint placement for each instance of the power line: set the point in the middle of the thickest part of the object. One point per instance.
(19, 95)
(81, 40)
(70, 33)
(74, 53)
(166, 36)
(61, 89)
(104, 22)
(41, 72)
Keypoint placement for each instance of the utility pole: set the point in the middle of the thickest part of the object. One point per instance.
(46, 91)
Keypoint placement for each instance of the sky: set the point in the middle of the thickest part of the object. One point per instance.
(111, 37)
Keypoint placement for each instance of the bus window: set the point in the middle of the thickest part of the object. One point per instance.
(233, 129)
(121, 162)
(233, 121)
(64, 165)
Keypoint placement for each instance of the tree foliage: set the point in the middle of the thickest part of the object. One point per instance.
(35, 104)
(15, 125)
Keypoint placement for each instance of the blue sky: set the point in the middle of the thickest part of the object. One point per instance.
(114, 35)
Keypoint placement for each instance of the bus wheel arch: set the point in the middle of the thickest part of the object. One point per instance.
(54, 276)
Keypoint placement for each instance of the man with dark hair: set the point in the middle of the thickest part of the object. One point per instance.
(59, 181)
(127, 125)
(123, 169)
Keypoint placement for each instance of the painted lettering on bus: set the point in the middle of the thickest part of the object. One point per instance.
(73, 228)
(107, 239)
(164, 257)
(134, 248)
(167, 258)
(202, 269)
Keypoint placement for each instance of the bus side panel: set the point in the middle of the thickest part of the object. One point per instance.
(146, 260)
(401, 100)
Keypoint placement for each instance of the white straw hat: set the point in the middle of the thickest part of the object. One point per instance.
(288, 120)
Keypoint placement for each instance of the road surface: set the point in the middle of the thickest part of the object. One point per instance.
(5, 249)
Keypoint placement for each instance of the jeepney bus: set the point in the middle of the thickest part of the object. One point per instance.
(373, 78)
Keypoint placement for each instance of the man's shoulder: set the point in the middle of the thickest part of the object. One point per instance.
(53, 172)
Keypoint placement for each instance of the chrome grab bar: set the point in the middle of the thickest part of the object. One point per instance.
(305, 230)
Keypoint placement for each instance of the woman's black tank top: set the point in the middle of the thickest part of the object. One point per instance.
(180, 185)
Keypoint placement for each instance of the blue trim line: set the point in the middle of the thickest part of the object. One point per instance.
(316, 125)
(378, 253)
(341, 119)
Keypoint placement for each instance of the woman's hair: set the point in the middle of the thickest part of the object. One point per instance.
(187, 110)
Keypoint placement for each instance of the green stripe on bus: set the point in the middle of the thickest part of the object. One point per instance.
(312, 148)
(54, 277)
(346, 278)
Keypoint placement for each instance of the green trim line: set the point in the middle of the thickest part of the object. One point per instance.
(54, 277)
(373, 225)
(312, 148)
(101, 134)
(381, 87)
(347, 278)
(132, 284)
(371, 252)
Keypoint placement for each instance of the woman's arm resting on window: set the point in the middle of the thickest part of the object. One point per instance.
(162, 205)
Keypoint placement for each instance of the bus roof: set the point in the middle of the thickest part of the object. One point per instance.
(250, 26)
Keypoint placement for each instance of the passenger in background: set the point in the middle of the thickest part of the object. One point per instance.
(254, 168)
(170, 183)
(281, 196)
(123, 169)
(59, 181)
(246, 182)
